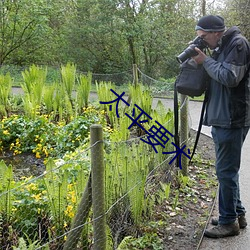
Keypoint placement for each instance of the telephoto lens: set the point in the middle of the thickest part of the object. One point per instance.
(190, 50)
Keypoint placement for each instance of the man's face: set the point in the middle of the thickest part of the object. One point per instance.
(211, 38)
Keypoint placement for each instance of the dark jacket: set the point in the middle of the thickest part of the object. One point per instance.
(228, 103)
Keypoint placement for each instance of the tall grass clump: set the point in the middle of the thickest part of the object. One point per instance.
(141, 96)
(34, 80)
(5, 90)
(106, 95)
(48, 98)
(83, 91)
(68, 75)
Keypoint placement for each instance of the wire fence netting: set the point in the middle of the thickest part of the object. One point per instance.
(43, 208)
(52, 208)
(160, 87)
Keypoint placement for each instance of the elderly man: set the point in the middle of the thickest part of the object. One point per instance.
(228, 112)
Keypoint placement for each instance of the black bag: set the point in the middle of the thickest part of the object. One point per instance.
(192, 80)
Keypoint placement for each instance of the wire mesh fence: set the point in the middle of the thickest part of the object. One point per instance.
(46, 211)
(160, 87)
(56, 209)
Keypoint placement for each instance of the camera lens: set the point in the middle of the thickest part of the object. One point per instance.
(187, 53)
(190, 50)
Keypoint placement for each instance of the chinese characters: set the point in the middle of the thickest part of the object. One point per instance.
(157, 135)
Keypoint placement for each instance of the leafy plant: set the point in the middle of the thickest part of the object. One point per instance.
(176, 199)
(68, 74)
(142, 97)
(30, 208)
(5, 90)
(34, 81)
(147, 241)
(6, 184)
(43, 137)
(105, 95)
(183, 180)
(48, 98)
(22, 245)
(164, 192)
(83, 91)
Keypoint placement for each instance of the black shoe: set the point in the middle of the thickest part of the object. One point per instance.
(221, 231)
(241, 219)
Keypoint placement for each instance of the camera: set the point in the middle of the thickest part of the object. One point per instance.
(190, 51)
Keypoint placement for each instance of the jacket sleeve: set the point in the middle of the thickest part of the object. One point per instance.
(234, 66)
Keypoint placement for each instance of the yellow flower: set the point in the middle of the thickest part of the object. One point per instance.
(16, 152)
(45, 151)
(38, 156)
(69, 211)
(37, 196)
(73, 199)
(31, 187)
(6, 132)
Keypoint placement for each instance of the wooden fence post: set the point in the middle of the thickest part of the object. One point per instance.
(98, 195)
(184, 132)
(80, 218)
(135, 74)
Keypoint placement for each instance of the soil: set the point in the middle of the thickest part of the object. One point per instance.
(25, 164)
(188, 221)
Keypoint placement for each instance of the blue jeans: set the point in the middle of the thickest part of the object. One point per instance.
(228, 145)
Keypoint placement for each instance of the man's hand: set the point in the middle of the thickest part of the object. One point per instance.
(200, 58)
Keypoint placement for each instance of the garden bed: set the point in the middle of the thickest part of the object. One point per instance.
(178, 221)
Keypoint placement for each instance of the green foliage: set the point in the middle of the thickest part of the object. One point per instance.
(83, 91)
(48, 98)
(23, 28)
(5, 90)
(55, 196)
(57, 188)
(142, 97)
(147, 241)
(103, 36)
(165, 191)
(30, 206)
(68, 74)
(43, 137)
(176, 199)
(6, 184)
(183, 180)
(105, 95)
(29, 245)
(166, 119)
(125, 174)
(33, 85)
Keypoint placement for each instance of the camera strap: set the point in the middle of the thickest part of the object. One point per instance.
(200, 125)
(176, 124)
